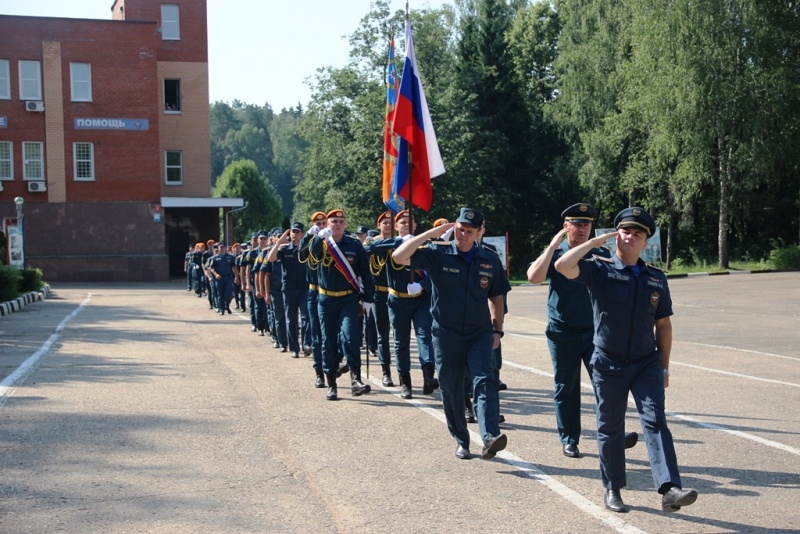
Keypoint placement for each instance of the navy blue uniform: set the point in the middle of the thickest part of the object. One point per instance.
(569, 332)
(378, 323)
(626, 304)
(462, 330)
(277, 316)
(405, 309)
(313, 293)
(249, 260)
(224, 265)
(339, 302)
(259, 304)
(295, 297)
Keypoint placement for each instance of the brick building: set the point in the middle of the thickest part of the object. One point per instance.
(104, 131)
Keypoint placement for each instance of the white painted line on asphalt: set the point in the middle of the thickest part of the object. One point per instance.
(710, 426)
(528, 469)
(740, 350)
(737, 375)
(745, 435)
(9, 384)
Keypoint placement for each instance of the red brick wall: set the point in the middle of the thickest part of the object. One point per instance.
(123, 57)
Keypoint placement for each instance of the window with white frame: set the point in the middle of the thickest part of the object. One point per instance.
(170, 22)
(6, 160)
(30, 80)
(83, 161)
(5, 80)
(81, 81)
(174, 167)
(32, 161)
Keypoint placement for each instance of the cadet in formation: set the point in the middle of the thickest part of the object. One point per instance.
(378, 321)
(409, 302)
(631, 305)
(341, 261)
(294, 288)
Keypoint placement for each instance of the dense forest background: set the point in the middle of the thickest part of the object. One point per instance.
(689, 109)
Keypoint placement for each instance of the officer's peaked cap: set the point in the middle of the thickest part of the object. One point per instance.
(635, 217)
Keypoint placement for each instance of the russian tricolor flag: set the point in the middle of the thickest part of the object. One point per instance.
(412, 122)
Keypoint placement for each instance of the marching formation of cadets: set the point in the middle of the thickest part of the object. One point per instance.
(326, 293)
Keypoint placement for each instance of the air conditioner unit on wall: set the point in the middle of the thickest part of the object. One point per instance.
(37, 187)
(34, 105)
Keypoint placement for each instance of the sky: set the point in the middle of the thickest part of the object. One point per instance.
(259, 51)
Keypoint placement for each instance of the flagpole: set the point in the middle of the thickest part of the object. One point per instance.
(410, 184)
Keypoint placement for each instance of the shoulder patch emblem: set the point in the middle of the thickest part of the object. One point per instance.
(655, 297)
(484, 282)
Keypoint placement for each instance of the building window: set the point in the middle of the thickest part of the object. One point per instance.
(30, 80)
(172, 95)
(6, 161)
(5, 80)
(174, 167)
(170, 23)
(83, 157)
(32, 161)
(81, 77)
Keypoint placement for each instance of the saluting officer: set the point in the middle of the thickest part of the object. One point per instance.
(248, 282)
(260, 293)
(342, 261)
(294, 287)
(633, 340)
(222, 268)
(378, 321)
(409, 301)
(464, 278)
(319, 221)
(273, 271)
(570, 327)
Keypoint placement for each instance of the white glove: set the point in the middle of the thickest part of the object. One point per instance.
(406, 237)
(414, 288)
(367, 308)
(448, 234)
(325, 232)
(314, 230)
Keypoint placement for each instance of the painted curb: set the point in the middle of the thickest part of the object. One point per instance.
(7, 308)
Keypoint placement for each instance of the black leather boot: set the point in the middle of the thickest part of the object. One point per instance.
(387, 375)
(405, 382)
(359, 388)
(429, 383)
(320, 381)
(468, 411)
(333, 392)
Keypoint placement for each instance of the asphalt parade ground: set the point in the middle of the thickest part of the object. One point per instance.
(135, 408)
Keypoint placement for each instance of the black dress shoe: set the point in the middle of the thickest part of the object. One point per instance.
(494, 445)
(469, 414)
(571, 451)
(631, 438)
(676, 497)
(332, 393)
(320, 381)
(295, 355)
(462, 453)
(501, 386)
(613, 501)
(343, 368)
(253, 328)
(501, 418)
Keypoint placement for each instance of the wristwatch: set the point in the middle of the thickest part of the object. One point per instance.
(498, 332)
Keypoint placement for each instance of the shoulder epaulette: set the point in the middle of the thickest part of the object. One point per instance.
(602, 258)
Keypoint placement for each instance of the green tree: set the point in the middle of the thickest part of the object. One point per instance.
(242, 179)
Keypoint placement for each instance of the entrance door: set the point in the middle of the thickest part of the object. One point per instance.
(178, 243)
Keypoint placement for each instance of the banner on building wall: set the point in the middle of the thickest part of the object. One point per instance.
(89, 123)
